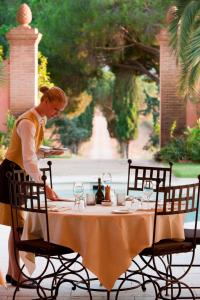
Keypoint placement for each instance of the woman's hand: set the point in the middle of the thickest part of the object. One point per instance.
(51, 195)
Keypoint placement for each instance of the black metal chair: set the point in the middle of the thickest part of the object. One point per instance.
(47, 171)
(189, 233)
(158, 259)
(138, 174)
(30, 197)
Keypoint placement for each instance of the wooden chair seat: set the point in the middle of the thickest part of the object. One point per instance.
(165, 247)
(189, 233)
(41, 247)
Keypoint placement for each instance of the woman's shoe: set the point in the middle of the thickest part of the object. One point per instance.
(8, 278)
(24, 285)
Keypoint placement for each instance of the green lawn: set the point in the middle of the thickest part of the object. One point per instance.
(188, 170)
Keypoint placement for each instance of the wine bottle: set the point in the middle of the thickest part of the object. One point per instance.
(99, 196)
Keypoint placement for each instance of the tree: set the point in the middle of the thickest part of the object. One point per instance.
(71, 132)
(83, 36)
(79, 37)
(185, 39)
(125, 104)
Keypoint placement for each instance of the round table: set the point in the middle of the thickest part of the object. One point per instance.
(106, 239)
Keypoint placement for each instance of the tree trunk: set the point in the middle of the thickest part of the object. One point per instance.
(127, 149)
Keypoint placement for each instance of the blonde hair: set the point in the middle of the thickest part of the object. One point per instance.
(53, 94)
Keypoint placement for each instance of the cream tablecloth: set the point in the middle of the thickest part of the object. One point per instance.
(107, 242)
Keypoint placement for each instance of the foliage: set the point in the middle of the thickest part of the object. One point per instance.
(192, 136)
(2, 76)
(92, 34)
(2, 152)
(173, 151)
(152, 107)
(5, 136)
(172, 129)
(186, 147)
(185, 38)
(187, 170)
(85, 35)
(78, 104)
(72, 132)
(102, 94)
(43, 74)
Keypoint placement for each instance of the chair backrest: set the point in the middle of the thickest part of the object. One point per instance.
(138, 174)
(174, 200)
(21, 175)
(48, 172)
(27, 196)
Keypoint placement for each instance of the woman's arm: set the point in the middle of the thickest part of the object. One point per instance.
(26, 131)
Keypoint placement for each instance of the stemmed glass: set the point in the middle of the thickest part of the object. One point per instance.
(148, 189)
(78, 193)
(106, 179)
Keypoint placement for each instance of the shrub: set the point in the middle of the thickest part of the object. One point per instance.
(192, 136)
(186, 147)
(173, 151)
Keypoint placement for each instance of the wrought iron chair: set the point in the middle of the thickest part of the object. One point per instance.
(138, 174)
(47, 171)
(30, 197)
(177, 200)
(189, 233)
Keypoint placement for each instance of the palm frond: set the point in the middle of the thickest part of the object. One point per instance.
(173, 31)
(184, 18)
(187, 24)
(192, 51)
(185, 40)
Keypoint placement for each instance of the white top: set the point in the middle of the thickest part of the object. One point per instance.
(26, 131)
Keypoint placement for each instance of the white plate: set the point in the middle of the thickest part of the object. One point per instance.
(49, 149)
(121, 211)
(65, 200)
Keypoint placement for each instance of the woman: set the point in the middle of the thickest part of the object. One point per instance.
(22, 152)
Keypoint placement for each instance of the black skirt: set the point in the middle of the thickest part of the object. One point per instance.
(5, 167)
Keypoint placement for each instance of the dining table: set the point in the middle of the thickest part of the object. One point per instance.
(107, 238)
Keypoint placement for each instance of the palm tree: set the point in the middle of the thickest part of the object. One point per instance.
(184, 28)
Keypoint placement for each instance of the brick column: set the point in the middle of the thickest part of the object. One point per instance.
(172, 106)
(23, 42)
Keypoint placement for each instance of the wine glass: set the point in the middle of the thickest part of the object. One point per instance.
(106, 179)
(78, 190)
(148, 189)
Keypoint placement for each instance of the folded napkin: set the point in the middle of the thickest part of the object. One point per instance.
(57, 209)
(65, 200)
